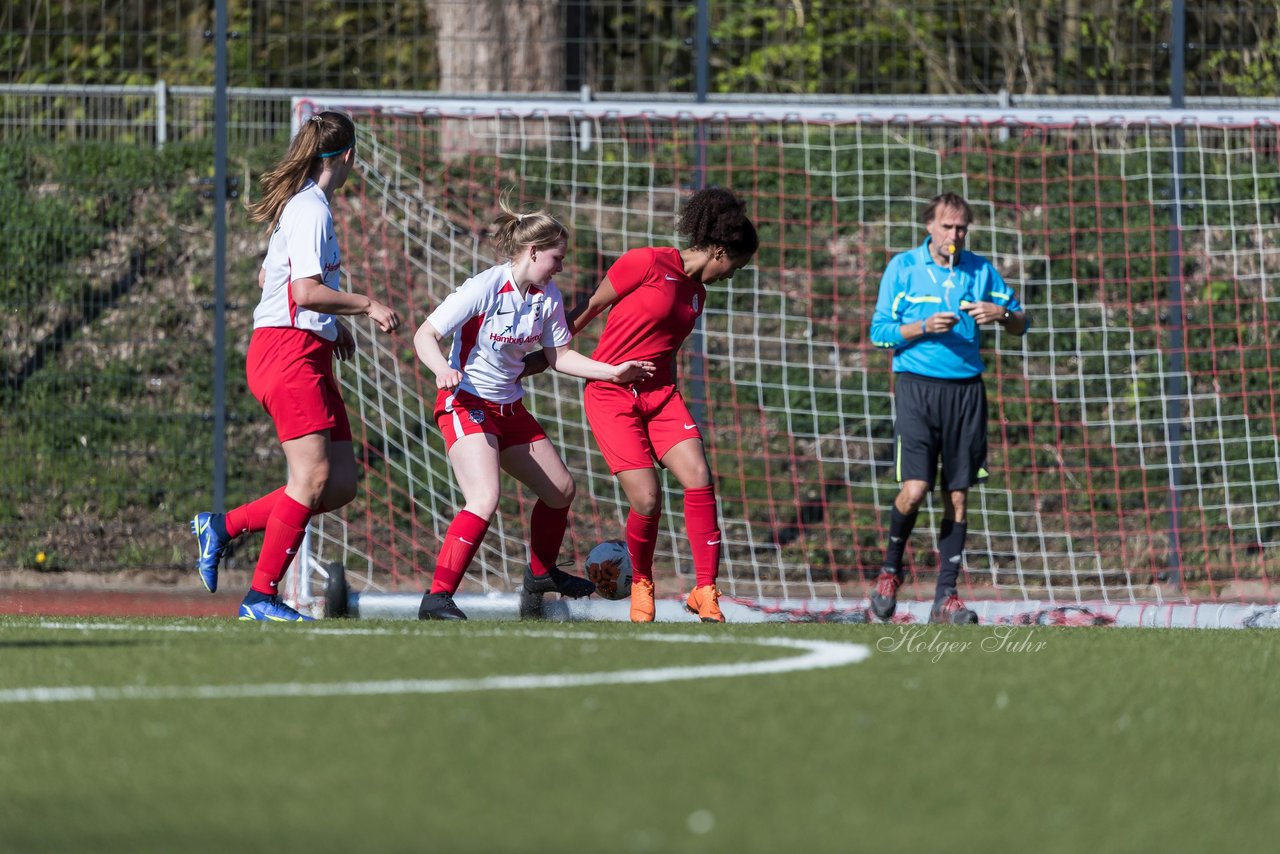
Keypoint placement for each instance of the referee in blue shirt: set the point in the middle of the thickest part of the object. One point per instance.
(934, 301)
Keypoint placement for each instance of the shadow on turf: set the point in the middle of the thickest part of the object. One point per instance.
(42, 644)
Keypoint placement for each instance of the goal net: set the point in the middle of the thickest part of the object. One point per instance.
(1133, 450)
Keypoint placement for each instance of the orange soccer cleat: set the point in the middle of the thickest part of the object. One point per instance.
(705, 602)
(642, 608)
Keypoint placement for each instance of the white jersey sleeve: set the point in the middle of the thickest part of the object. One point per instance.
(302, 246)
(555, 329)
(494, 327)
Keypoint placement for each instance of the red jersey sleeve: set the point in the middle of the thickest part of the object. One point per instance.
(630, 271)
(657, 307)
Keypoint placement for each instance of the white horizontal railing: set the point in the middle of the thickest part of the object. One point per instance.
(159, 113)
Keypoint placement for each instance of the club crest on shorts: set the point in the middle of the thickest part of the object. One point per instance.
(476, 416)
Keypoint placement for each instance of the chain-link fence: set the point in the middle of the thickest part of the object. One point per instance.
(780, 47)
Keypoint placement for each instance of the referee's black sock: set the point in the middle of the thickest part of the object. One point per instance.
(950, 554)
(900, 527)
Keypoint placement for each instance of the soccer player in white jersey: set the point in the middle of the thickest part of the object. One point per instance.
(496, 318)
(290, 362)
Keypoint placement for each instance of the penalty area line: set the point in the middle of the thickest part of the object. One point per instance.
(813, 655)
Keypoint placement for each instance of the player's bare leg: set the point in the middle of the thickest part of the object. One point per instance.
(538, 466)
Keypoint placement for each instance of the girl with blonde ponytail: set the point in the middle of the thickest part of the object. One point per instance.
(497, 318)
(296, 335)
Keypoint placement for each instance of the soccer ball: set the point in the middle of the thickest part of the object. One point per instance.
(609, 568)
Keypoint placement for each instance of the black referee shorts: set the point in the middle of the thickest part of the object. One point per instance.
(943, 420)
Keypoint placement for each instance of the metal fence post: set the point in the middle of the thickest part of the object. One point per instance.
(162, 114)
(701, 62)
(220, 259)
(1177, 336)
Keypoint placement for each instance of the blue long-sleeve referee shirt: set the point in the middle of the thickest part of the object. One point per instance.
(914, 287)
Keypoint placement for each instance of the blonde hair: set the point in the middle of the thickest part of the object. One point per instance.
(324, 135)
(513, 231)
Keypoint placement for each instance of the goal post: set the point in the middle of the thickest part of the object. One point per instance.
(1133, 450)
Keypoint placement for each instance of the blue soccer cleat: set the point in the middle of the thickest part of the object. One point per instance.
(211, 547)
(271, 610)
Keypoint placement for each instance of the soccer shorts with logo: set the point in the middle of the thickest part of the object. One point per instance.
(460, 413)
(940, 419)
(635, 425)
(290, 372)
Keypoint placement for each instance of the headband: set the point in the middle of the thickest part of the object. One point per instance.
(342, 150)
(319, 119)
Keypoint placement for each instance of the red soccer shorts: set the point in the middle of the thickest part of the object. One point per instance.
(633, 426)
(290, 372)
(460, 413)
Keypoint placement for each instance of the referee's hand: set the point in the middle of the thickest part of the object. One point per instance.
(984, 312)
(942, 321)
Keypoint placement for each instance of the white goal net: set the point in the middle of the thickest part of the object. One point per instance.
(1132, 433)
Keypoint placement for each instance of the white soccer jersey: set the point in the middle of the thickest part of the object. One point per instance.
(303, 245)
(496, 328)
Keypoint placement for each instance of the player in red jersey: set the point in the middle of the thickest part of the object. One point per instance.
(296, 335)
(496, 318)
(654, 297)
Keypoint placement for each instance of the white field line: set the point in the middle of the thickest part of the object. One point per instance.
(814, 655)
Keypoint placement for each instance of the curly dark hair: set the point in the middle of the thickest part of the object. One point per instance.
(716, 218)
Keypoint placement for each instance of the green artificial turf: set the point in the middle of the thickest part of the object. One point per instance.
(208, 735)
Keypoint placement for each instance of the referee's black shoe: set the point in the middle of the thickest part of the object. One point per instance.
(884, 599)
(439, 606)
(948, 608)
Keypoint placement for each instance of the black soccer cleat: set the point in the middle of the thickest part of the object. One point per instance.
(948, 608)
(558, 581)
(439, 606)
(535, 587)
(884, 599)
